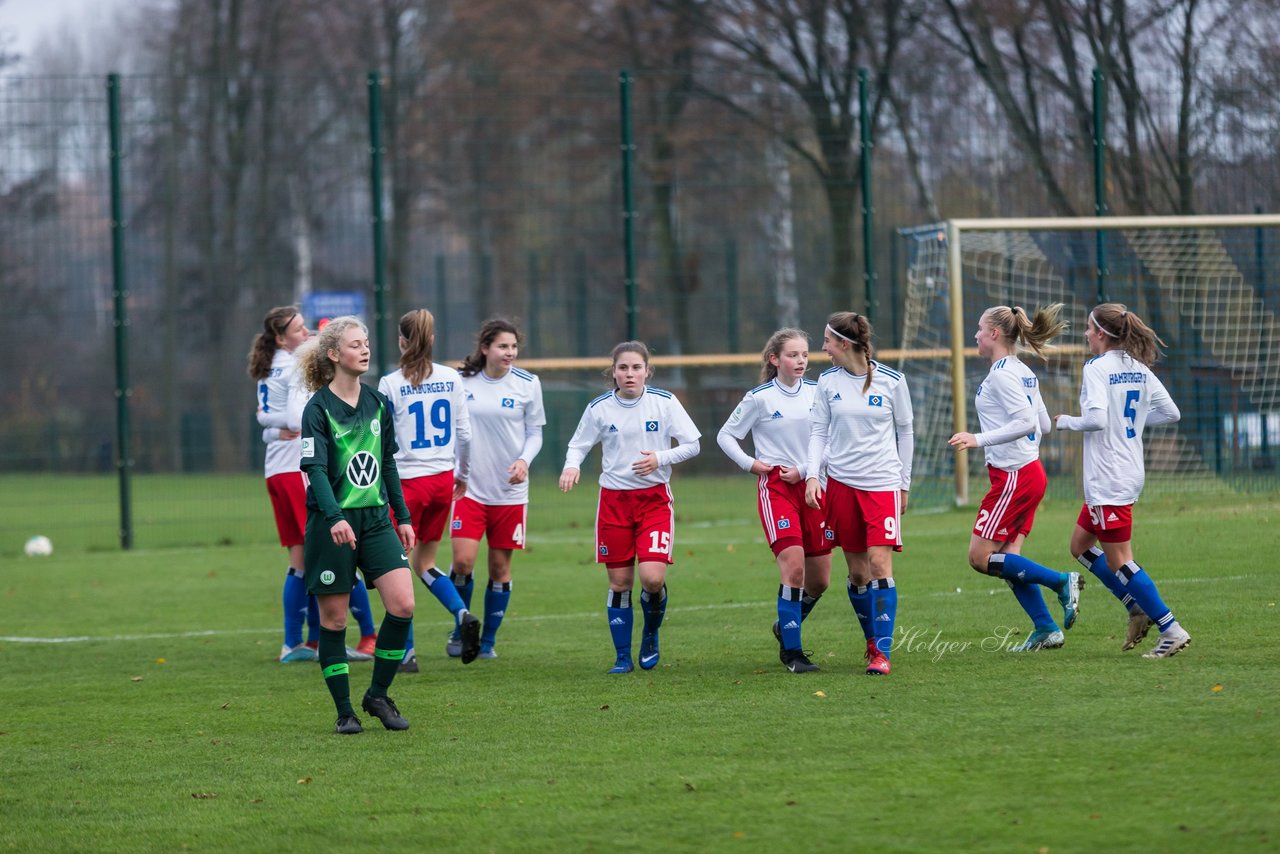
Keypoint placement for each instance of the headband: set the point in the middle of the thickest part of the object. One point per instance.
(1096, 324)
(838, 335)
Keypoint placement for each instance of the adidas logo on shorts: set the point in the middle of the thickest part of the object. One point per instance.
(1111, 517)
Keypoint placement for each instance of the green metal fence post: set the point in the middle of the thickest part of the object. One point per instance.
(868, 210)
(1100, 174)
(628, 203)
(1260, 283)
(379, 251)
(124, 457)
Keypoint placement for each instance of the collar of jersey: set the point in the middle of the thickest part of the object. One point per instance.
(490, 380)
(622, 401)
(783, 389)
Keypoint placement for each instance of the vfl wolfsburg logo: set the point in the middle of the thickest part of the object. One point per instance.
(327, 577)
(375, 426)
(362, 471)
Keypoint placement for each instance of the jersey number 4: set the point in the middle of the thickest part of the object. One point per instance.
(439, 419)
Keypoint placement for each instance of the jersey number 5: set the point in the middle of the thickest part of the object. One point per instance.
(439, 419)
(1131, 415)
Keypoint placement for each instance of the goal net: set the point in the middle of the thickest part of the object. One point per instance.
(1207, 285)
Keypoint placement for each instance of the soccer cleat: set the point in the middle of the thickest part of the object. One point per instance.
(1041, 639)
(797, 661)
(357, 655)
(622, 665)
(649, 653)
(453, 646)
(1070, 599)
(1139, 625)
(301, 652)
(384, 709)
(469, 629)
(1171, 642)
(777, 634)
(877, 661)
(348, 725)
(486, 651)
(368, 643)
(408, 664)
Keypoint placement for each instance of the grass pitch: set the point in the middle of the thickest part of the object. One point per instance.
(144, 710)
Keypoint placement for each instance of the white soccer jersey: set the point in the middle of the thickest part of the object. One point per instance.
(283, 455)
(507, 418)
(626, 428)
(1119, 396)
(433, 428)
(777, 419)
(864, 436)
(1011, 414)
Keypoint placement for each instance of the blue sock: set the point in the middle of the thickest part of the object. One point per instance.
(1096, 562)
(790, 615)
(497, 594)
(1029, 597)
(359, 605)
(860, 598)
(620, 621)
(295, 607)
(1018, 568)
(884, 607)
(654, 606)
(313, 620)
(1143, 590)
(806, 605)
(445, 592)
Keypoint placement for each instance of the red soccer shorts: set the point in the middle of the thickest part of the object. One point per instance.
(288, 494)
(1009, 508)
(1110, 523)
(503, 524)
(428, 498)
(862, 519)
(788, 521)
(635, 525)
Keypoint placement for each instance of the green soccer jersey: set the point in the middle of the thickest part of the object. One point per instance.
(348, 454)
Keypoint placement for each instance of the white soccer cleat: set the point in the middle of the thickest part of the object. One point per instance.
(1171, 642)
(1040, 639)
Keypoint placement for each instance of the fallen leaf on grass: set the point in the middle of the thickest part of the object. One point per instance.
(204, 796)
(225, 705)
(304, 781)
(1217, 689)
(160, 661)
(819, 693)
(689, 787)
(135, 678)
(605, 707)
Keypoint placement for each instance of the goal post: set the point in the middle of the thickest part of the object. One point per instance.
(1207, 284)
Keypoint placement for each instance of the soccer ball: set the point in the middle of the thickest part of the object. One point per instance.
(38, 546)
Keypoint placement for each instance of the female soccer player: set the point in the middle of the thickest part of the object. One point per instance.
(432, 429)
(1119, 396)
(507, 414)
(861, 426)
(635, 522)
(1013, 419)
(776, 414)
(271, 364)
(348, 450)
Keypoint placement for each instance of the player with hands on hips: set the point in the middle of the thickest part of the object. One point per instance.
(1013, 419)
(861, 428)
(635, 520)
(348, 451)
(507, 417)
(433, 432)
(1119, 397)
(776, 414)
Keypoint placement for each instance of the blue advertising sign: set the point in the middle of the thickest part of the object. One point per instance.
(320, 308)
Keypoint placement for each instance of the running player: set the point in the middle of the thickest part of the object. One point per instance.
(506, 410)
(635, 522)
(776, 414)
(432, 430)
(271, 364)
(861, 426)
(1013, 419)
(1120, 395)
(348, 450)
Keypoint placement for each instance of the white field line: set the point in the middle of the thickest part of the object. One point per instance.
(582, 615)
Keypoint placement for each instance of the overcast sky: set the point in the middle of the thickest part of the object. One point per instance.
(25, 22)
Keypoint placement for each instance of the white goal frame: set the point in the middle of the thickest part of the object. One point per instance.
(954, 230)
